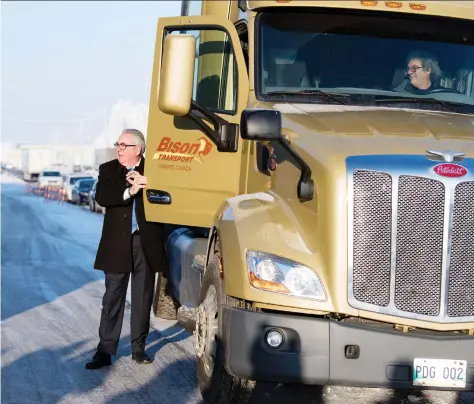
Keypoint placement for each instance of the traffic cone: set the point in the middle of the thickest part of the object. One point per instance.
(62, 196)
(47, 194)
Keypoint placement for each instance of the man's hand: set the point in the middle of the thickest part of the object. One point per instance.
(137, 182)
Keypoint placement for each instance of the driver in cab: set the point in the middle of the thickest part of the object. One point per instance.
(423, 75)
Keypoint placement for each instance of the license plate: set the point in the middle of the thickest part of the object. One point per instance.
(439, 372)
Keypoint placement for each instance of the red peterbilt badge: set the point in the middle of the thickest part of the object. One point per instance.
(450, 170)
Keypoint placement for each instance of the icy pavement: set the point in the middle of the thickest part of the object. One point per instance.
(51, 301)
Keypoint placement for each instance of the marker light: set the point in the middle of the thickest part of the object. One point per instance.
(393, 4)
(418, 7)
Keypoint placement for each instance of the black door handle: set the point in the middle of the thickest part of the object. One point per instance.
(159, 197)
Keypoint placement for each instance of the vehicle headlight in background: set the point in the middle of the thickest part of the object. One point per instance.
(276, 274)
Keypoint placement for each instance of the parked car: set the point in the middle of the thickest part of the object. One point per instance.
(50, 178)
(80, 191)
(93, 205)
(71, 181)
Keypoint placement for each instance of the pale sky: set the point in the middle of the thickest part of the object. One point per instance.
(65, 60)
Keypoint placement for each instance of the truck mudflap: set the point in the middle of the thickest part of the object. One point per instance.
(285, 348)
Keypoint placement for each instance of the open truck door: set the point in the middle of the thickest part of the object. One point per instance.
(194, 151)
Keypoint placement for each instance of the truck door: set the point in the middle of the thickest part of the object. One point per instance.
(181, 161)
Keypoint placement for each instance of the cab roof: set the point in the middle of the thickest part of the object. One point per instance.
(445, 8)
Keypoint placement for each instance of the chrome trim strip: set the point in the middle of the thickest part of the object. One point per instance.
(393, 266)
(447, 239)
(395, 166)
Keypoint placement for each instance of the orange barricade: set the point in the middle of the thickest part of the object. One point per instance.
(48, 193)
(52, 193)
(32, 189)
(62, 196)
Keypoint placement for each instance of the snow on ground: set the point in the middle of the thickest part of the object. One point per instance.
(51, 301)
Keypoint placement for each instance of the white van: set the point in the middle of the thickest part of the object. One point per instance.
(50, 178)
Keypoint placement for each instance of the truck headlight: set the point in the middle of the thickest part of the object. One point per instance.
(276, 274)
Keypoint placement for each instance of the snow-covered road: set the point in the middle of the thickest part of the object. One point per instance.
(51, 301)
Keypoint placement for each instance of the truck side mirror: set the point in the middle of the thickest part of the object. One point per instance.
(261, 125)
(265, 125)
(177, 74)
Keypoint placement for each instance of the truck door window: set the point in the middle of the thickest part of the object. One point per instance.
(215, 74)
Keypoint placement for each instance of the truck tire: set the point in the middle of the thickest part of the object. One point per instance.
(217, 386)
(164, 306)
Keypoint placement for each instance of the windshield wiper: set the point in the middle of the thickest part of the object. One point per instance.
(420, 100)
(331, 96)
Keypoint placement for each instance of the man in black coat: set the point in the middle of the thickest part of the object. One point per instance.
(129, 245)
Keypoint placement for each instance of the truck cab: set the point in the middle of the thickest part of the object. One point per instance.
(313, 163)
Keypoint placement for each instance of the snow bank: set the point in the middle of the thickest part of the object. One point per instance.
(9, 179)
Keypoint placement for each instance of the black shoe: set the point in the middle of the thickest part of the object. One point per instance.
(141, 357)
(99, 360)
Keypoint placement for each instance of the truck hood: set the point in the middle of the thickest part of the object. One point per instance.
(329, 132)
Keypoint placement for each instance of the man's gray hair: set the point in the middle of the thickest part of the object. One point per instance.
(140, 139)
(429, 62)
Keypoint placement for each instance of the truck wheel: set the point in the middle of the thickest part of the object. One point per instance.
(164, 306)
(216, 385)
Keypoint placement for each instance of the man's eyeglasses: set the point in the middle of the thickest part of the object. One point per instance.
(413, 69)
(122, 146)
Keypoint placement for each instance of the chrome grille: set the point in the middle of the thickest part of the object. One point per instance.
(372, 234)
(461, 270)
(411, 239)
(419, 259)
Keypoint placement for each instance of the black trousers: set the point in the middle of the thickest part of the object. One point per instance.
(113, 304)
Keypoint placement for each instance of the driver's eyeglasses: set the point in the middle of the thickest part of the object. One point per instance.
(413, 69)
(122, 146)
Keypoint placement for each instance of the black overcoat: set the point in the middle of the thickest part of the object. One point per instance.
(114, 253)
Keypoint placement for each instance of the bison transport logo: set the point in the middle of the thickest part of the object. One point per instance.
(181, 152)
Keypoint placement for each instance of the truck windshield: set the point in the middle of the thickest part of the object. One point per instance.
(51, 174)
(369, 59)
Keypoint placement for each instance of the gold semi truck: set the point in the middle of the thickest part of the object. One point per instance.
(313, 162)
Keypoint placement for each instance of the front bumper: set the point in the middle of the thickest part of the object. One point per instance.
(314, 351)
